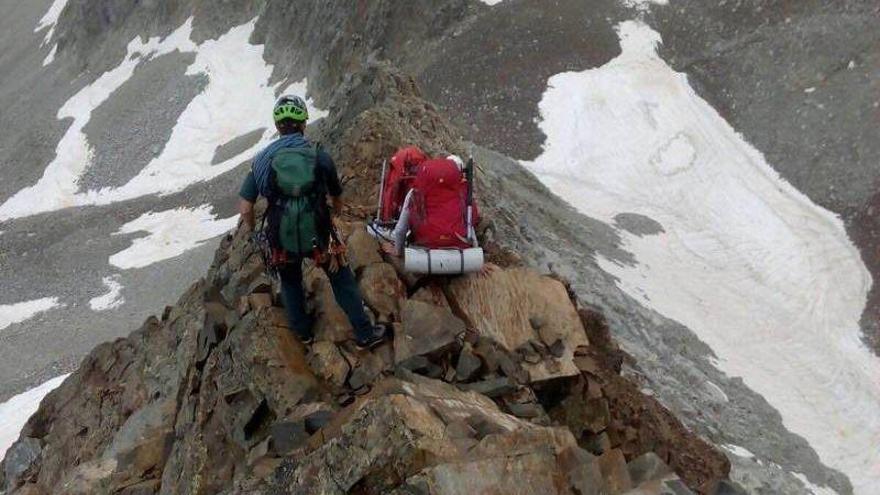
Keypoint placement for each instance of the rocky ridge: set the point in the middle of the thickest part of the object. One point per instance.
(499, 384)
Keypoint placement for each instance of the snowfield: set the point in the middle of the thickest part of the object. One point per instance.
(50, 19)
(171, 233)
(15, 412)
(19, 312)
(237, 75)
(112, 299)
(767, 279)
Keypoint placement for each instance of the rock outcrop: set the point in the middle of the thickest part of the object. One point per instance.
(494, 384)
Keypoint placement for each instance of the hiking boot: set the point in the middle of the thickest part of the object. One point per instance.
(376, 338)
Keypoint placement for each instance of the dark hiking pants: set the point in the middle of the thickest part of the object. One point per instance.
(345, 290)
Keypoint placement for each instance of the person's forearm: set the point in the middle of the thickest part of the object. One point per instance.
(246, 210)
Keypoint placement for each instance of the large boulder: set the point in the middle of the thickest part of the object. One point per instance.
(426, 329)
(363, 250)
(422, 434)
(382, 291)
(331, 323)
(519, 307)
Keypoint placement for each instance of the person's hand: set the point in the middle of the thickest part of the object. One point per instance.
(389, 248)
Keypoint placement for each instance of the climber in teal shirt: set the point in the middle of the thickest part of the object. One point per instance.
(291, 115)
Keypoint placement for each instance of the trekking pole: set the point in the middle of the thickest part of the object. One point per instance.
(469, 176)
(381, 190)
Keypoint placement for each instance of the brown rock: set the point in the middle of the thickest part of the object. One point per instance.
(328, 363)
(508, 304)
(468, 365)
(613, 467)
(260, 300)
(494, 387)
(647, 467)
(432, 294)
(582, 471)
(421, 431)
(382, 291)
(331, 323)
(363, 250)
(426, 329)
(597, 444)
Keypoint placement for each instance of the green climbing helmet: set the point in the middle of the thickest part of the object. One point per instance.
(291, 107)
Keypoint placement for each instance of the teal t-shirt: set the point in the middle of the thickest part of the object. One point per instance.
(248, 189)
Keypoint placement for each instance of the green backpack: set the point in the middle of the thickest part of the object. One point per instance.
(296, 183)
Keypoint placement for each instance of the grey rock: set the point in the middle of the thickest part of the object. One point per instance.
(727, 487)
(22, 461)
(647, 467)
(468, 364)
(288, 436)
(494, 387)
(426, 329)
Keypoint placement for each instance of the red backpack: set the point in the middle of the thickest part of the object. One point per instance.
(438, 209)
(402, 170)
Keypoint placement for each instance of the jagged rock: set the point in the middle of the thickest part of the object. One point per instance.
(262, 284)
(667, 485)
(526, 411)
(511, 368)
(331, 323)
(288, 436)
(242, 307)
(426, 329)
(596, 444)
(727, 487)
(583, 472)
(494, 387)
(397, 433)
(582, 415)
(529, 354)
(316, 420)
(327, 362)
(422, 366)
(431, 294)
(468, 364)
(614, 470)
(276, 316)
(382, 291)
(370, 366)
(22, 460)
(587, 364)
(647, 467)
(504, 306)
(363, 250)
(259, 301)
(148, 487)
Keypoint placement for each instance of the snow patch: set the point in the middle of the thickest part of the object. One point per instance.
(237, 76)
(738, 451)
(171, 233)
(643, 5)
(19, 312)
(814, 489)
(15, 412)
(50, 18)
(491, 2)
(769, 280)
(112, 299)
(51, 56)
